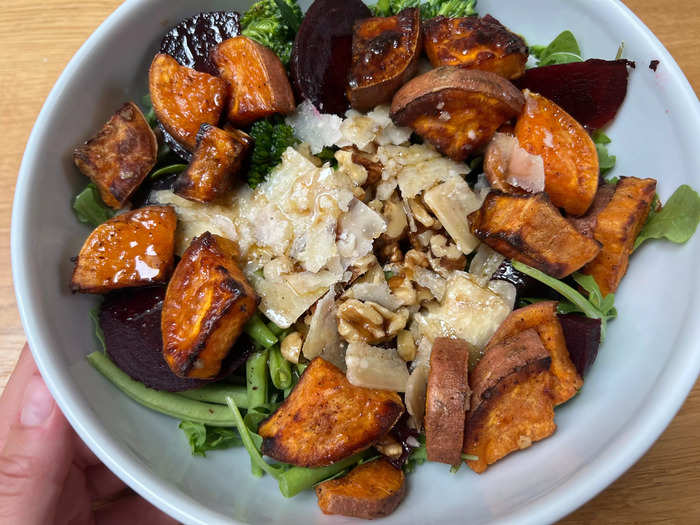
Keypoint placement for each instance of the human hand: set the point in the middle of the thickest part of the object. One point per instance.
(47, 474)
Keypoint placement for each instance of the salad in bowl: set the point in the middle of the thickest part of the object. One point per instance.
(357, 239)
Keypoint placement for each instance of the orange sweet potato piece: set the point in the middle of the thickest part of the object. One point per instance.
(457, 110)
(120, 156)
(569, 154)
(184, 99)
(207, 302)
(132, 249)
(519, 412)
(218, 157)
(259, 84)
(617, 227)
(326, 419)
(475, 43)
(447, 400)
(371, 490)
(529, 229)
(385, 53)
(542, 317)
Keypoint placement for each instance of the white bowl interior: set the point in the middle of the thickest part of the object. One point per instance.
(644, 370)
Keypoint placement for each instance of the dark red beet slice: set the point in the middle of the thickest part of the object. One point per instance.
(591, 91)
(190, 41)
(130, 320)
(402, 433)
(322, 53)
(582, 336)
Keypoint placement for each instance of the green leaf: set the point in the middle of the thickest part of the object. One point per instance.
(99, 334)
(89, 208)
(148, 111)
(677, 220)
(327, 154)
(594, 311)
(564, 49)
(272, 137)
(203, 438)
(288, 15)
(605, 160)
(388, 275)
(168, 170)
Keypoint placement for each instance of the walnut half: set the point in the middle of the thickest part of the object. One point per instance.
(369, 322)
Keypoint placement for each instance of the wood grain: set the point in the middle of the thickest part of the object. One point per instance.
(38, 37)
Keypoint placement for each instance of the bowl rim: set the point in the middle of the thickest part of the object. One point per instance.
(663, 401)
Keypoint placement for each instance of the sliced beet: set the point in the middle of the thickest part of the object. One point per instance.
(591, 91)
(190, 41)
(130, 320)
(322, 53)
(174, 145)
(403, 434)
(582, 336)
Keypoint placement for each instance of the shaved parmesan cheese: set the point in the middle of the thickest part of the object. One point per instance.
(323, 330)
(451, 202)
(373, 367)
(315, 128)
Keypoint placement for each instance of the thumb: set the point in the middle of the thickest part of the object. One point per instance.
(35, 460)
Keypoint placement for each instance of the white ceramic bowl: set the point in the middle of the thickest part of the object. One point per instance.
(644, 371)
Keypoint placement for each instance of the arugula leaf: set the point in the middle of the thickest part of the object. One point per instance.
(564, 49)
(99, 334)
(605, 160)
(203, 438)
(327, 154)
(677, 220)
(595, 307)
(168, 170)
(89, 208)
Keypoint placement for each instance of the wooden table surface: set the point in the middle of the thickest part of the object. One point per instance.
(38, 37)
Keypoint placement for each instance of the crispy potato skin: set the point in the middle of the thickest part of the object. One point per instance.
(530, 229)
(455, 109)
(385, 53)
(207, 302)
(218, 157)
(120, 156)
(259, 84)
(542, 318)
(475, 43)
(326, 419)
(371, 490)
(569, 154)
(447, 400)
(617, 227)
(184, 99)
(132, 249)
(513, 414)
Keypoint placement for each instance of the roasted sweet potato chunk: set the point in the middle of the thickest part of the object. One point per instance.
(218, 157)
(569, 154)
(184, 99)
(542, 318)
(371, 490)
(120, 156)
(132, 249)
(259, 84)
(457, 110)
(326, 419)
(447, 400)
(511, 404)
(475, 43)
(529, 229)
(617, 227)
(385, 53)
(206, 305)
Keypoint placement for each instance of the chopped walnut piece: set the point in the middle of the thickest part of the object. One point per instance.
(291, 347)
(451, 257)
(369, 322)
(370, 163)
(389, 447)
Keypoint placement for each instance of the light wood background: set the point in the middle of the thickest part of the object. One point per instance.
(38, 37)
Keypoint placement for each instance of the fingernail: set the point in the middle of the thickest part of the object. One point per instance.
(37, 403)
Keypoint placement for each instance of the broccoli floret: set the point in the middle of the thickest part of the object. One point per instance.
(428, 9)
(273, 23)
(272, 137)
